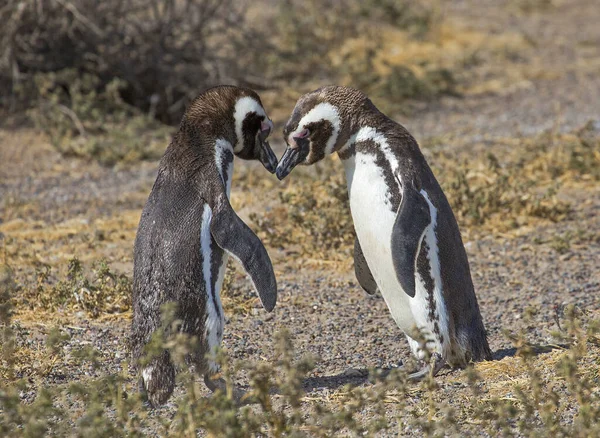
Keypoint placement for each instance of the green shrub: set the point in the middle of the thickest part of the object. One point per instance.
(85, 123)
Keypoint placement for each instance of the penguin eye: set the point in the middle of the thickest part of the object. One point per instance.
(302, 134)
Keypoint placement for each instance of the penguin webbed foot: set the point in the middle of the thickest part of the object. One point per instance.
(431, 368)
(240, 396)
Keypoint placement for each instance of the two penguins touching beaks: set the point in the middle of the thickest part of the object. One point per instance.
(408, 245)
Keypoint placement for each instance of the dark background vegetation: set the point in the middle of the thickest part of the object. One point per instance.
(154, 55)
(99, 74)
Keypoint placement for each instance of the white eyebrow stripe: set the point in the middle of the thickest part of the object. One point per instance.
(243, 107)
(323, 111)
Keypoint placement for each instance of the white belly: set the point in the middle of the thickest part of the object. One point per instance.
(373, 222)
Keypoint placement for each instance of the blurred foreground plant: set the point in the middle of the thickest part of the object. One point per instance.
(562, 400)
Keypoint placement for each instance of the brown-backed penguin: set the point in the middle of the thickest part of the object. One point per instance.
(188, 229)
(408, 243)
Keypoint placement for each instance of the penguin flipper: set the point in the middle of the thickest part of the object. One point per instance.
(362, 271)
(235, 237)
(412, 220)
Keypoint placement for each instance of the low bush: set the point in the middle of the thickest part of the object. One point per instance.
(98, 292)
(162, 52)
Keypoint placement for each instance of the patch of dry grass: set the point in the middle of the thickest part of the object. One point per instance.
(313, 219)
(100, 291)
(64, 266)
(522, 187)
(393, 65)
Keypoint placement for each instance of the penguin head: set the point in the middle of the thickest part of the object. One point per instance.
(252, 128)
(320, 124)
(237, 115)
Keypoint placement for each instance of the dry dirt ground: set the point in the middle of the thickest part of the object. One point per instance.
(54, 208)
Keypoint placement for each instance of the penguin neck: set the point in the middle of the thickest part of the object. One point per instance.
(349, 167)
(347, 153)
(364, 123)
(224, 162)
(200, 162)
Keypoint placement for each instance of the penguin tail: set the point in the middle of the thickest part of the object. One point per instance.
(158, 379)
(476, 345)
(480, 350)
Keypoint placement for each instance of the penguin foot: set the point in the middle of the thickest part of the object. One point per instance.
(429, 368)
(240, 396)
(144, 394)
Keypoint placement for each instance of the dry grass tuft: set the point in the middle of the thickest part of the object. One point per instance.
(523, 187)
(313, 219)
(101, 292)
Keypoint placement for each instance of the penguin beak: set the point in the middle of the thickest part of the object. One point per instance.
(292, 157)
(265, 154)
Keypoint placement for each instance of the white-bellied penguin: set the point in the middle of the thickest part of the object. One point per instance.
(188, 229)
(408, 243)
